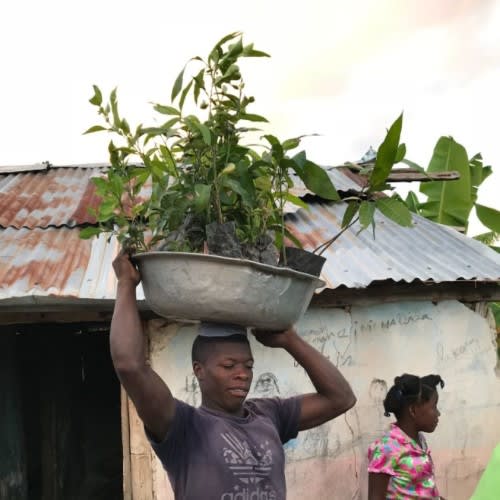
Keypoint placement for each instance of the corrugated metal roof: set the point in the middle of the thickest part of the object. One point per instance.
(55, 262)
(341, 178)
(425, 252)
(53, 197)
(41, 254)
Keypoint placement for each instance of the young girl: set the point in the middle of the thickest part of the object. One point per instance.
(400, 464)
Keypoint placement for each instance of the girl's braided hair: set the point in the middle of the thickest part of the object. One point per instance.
(409, 389)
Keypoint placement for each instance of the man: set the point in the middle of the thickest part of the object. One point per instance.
(229, 448)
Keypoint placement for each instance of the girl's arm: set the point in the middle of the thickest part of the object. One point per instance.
(377, 486)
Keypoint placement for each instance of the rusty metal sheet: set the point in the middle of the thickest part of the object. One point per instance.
(425, 252)
(55, 262)
(41, 254)
(54, 197)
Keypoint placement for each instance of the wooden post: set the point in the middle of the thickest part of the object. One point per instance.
(127, 479)
(140, 458)
(139, 450)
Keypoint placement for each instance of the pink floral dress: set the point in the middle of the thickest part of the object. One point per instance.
(409, 465)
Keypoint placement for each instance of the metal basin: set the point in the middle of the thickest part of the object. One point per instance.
(211, 288)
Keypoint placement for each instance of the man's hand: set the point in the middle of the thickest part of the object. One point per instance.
(125, 271)
(333, 395)
(275, 339)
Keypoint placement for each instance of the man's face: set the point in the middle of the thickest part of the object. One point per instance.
(226, 375)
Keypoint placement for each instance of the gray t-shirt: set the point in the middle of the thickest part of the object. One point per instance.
(210, 455)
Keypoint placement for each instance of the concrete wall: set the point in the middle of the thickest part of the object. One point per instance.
(371, 345)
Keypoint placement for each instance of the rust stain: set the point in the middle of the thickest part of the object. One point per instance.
(89, 199)
(51, 198)
(43, 259)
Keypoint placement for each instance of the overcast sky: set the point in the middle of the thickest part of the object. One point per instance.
(343, 69)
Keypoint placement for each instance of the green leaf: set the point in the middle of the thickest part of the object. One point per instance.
(412, 202)
(226, 38)
(166, 110)
(195, 126)
(293, 238)
(448, 202)
(232, 73)
(249, 51)
(102, 185)
(386, 156)
(96, 99)
(153, 131)
(300, 158)
(276, 149)
(316, 180)
(251, 117)
(89, 232)
(169, 160)
(205, 132)
(235, 186)
(114, 108)
(215, 54)
(125, 126)
(296, 201)
(495, 309)
(400, 153)
(106, 209)
(488, 238)
(235, 49)
(177, 85)
(202, 197)
(478, 173)
(395, 210)
(95, 128)
(291, 144)
(184, 94)
(350, 211)
(366, 213)
(489, 217)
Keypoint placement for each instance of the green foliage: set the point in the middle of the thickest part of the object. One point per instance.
(363, 206)
(389, 153)
(395, 210)
(451, 202)
(198, 165)
(489, 217)
(448, 202)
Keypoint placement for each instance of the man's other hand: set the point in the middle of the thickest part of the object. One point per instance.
(125, 271)
(275, 339)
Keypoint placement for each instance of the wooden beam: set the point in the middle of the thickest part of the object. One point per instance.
(140, 458)
(141, 454)
(390, 291)
(72, 315)
(125, 424)
(406, 176)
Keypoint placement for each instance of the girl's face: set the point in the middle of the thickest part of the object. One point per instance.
(426, 414)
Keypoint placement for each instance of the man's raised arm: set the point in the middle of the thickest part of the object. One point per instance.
(333, 395)
(151, 396)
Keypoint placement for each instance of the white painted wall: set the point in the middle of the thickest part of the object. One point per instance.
(371, 345)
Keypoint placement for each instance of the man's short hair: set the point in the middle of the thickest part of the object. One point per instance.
(202, 346)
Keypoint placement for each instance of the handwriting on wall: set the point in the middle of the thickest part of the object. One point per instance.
(336, 345)
(469, 347)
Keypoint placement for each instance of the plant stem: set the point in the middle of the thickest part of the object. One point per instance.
(324, 246)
